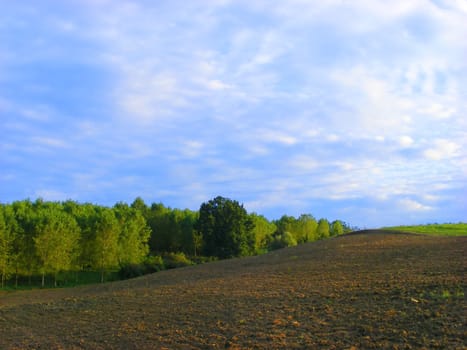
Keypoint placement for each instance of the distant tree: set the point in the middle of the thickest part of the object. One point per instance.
(6, 241)
(158, 221)
(134, 235)
(56, 240)
(25, 256)
(9, 236)
(188, 236)
(306, 228)
(303, 229)
(197, 242)
(286, 224)
(139, 205)
(226, 228)
(337, 228)
(106, 241)
(263, 231)
(87, 216)
(323, 230)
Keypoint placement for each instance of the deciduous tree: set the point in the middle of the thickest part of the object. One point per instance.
(337, 228)
(323, 229)
(56, 240)
(106, 242)
(226, 228)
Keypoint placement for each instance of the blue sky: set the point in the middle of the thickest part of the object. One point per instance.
(352, 110)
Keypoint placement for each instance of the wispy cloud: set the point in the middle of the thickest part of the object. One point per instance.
(353, 109)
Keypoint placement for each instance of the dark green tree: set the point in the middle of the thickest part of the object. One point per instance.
(6, 245)
(226, 228)
(26, 261)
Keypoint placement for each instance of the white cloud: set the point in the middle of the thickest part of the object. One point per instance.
(217, 85)
(275, 136)
(405, 141)
(438, 111)
(442, 149)
(412, 205)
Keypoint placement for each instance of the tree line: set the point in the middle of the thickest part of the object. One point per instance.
(43, 238)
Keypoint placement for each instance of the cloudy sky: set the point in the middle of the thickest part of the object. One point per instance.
(352, 110)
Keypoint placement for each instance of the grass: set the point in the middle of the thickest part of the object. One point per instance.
(459, 229)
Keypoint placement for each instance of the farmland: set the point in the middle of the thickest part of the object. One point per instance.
(366, 290)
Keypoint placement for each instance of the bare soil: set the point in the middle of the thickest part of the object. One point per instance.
(372, 290)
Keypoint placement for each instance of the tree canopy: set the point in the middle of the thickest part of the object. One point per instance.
(43, 238)
(226, 228)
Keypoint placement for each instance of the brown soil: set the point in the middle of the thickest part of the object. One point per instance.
(360, 291)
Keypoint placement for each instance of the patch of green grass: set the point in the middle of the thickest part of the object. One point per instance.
(459, 229)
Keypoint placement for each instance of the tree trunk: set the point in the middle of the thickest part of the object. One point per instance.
(102, 276)
(43, 279)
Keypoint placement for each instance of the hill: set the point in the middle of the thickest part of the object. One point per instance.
(367, 290)
(459, 229)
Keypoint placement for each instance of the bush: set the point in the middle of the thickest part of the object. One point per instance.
(131, 271)
(203, 259)
(174, 260)
(154, 264)
(283, 240)
(150, 265)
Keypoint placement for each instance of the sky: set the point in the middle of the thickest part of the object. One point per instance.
(350, 110)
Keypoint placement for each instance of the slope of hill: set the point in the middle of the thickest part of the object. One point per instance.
(459, 229)
(355, 291)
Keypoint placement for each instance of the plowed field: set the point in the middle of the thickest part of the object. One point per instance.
(372, 290)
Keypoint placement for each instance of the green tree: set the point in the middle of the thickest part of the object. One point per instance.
(226, 228)
(188, 239)
(306, 228)
(139, 205)
(133, 239)
(323, 229)
(56, 241)
(158, 221)
(263, 231)
(106, 241)
(6, 245)
(26, 261)
(337, 228)
(286, 224)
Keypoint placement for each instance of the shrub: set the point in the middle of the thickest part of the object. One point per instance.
(131, 271)
(203, 259)
(154, 264)
(283, 240)
(150, 265)
(174, 260)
